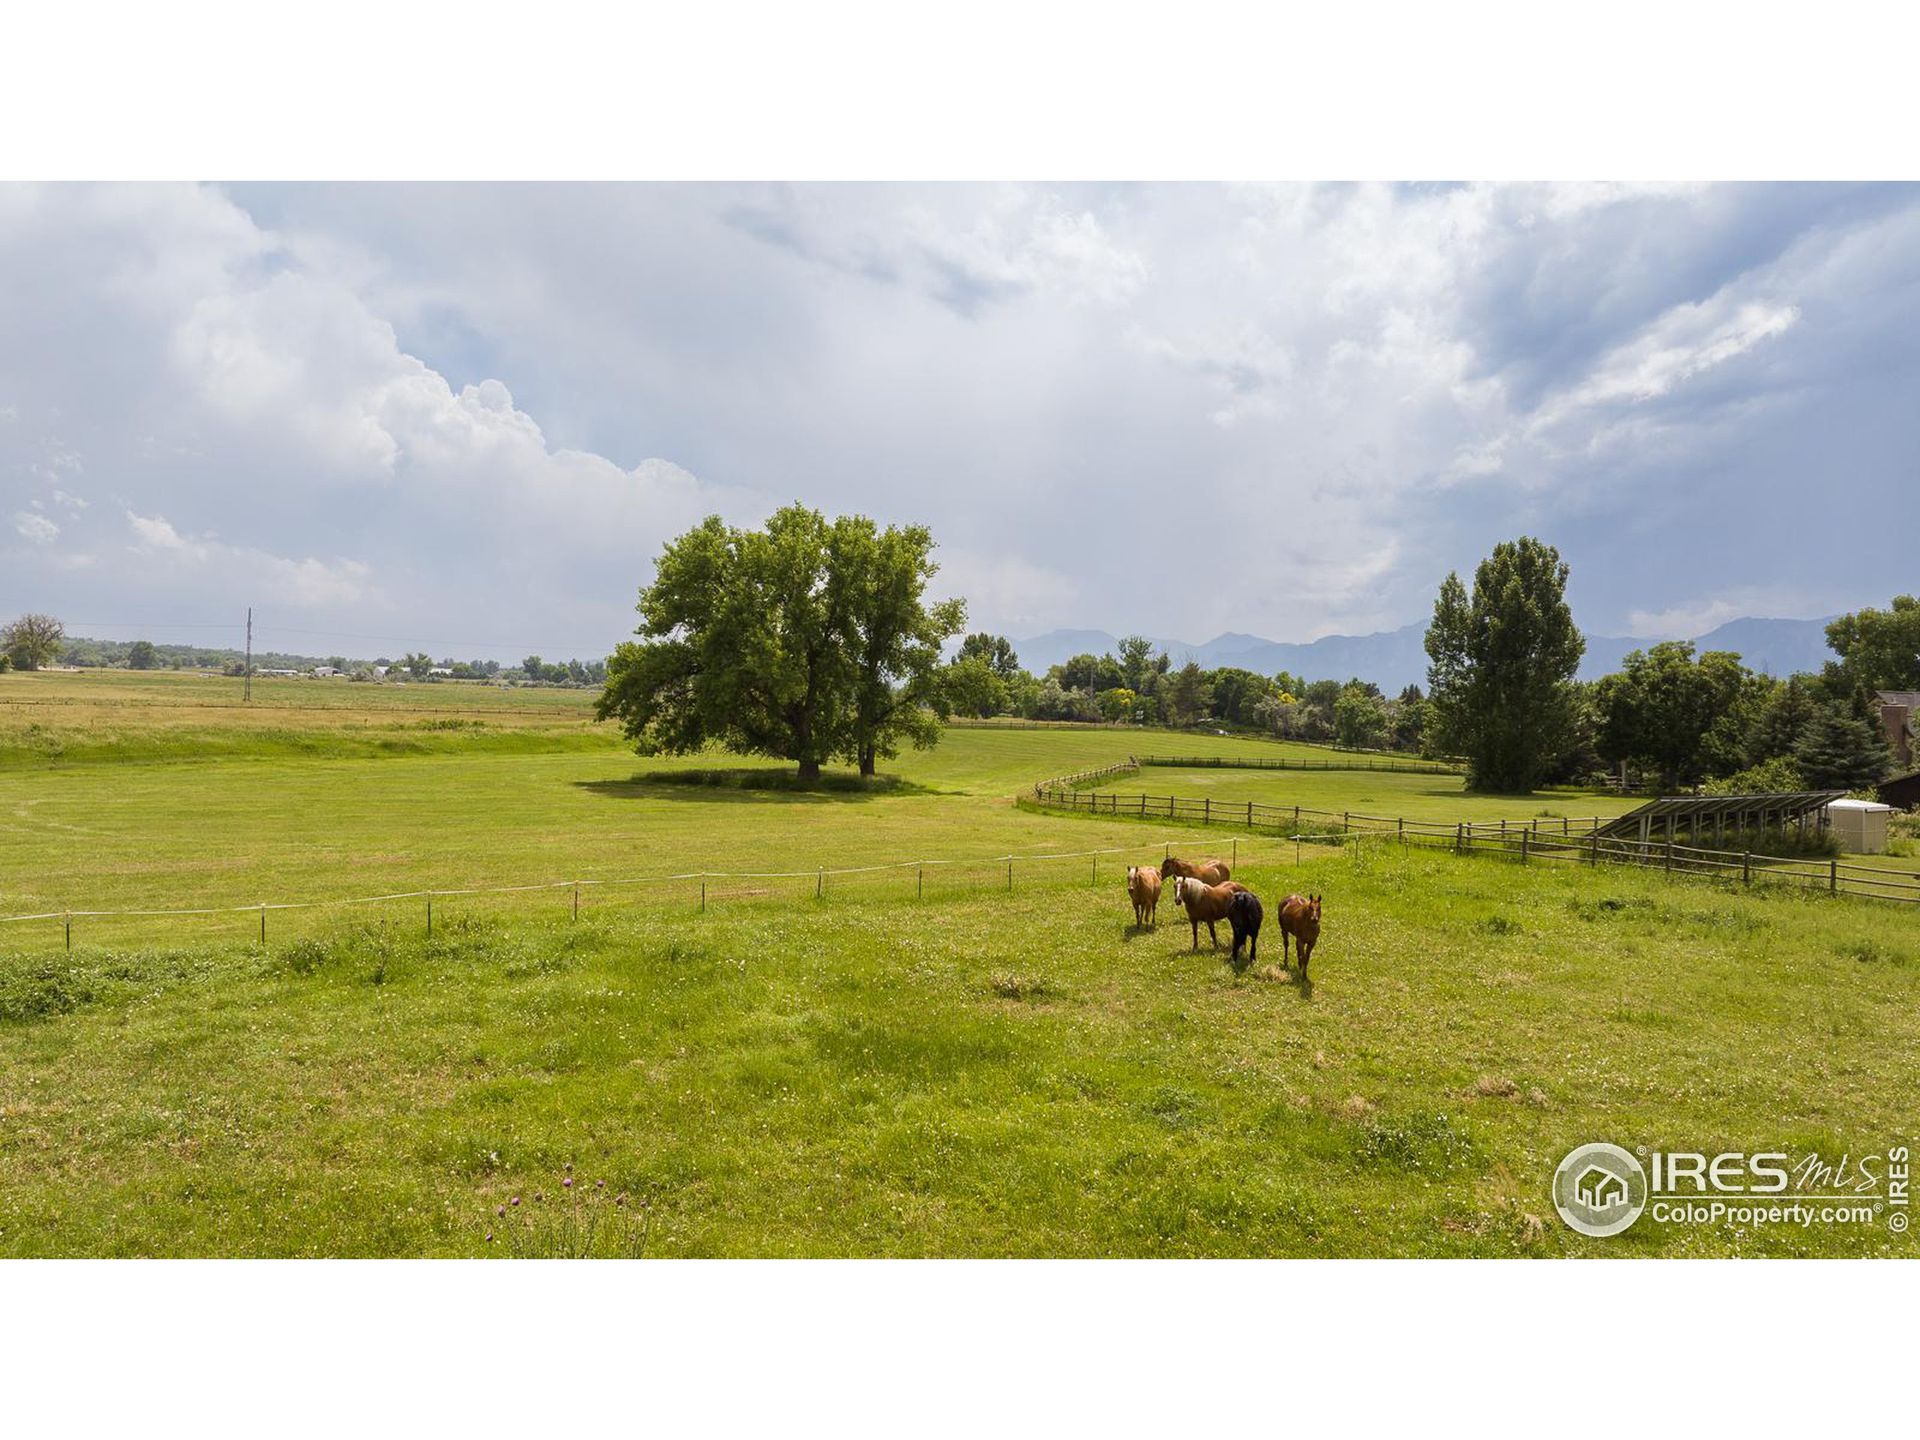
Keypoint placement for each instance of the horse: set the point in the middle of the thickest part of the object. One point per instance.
(1244, 914)
(1300, 918)
(1209, 872)
(1204, 902)
(1143, 886)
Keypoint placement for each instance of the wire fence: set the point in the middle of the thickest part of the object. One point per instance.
(969, 874)
(1563, 839)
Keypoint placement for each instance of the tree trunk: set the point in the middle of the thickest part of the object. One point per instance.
(809, 768)
(866, 761)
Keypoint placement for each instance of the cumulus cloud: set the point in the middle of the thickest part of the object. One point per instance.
(479, 411)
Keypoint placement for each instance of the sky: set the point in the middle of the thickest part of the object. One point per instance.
(466, 418)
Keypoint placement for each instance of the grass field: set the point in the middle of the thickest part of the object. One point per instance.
(963, 1070)
(1417, 797)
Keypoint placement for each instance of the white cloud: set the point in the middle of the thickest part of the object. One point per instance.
(300, 582)
(1284, 410)
(37, 528)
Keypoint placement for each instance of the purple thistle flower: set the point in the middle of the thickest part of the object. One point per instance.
(489, 1237)
(568, 1182)
(516, 1199)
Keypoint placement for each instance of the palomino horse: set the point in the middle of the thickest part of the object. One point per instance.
(1300, 918)
(1143, 888)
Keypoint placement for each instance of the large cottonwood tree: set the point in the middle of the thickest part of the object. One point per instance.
(806, 640)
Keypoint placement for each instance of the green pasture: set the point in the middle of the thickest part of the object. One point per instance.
(969, 1075)
(1368, 792)
(897, 1062)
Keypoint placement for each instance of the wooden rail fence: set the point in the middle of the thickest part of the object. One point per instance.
(1559, 839)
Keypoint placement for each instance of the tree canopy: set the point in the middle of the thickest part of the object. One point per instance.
(32, 641)
(1663, 708)
(1879, 649)
(1502, 662)
(807, 640)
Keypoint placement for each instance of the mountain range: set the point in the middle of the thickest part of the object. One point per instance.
(1395, 659)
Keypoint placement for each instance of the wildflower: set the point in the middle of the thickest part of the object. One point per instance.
(489, 1237)
(599, 1184)
(568, 1182)
(502, 1210)
(516, 1199)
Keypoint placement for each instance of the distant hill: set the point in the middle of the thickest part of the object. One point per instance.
(1394, 659)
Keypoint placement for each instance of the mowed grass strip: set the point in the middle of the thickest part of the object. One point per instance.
(66, 718)
(968, 1075)
(1379, 793)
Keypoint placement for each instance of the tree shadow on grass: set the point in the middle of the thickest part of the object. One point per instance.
(751, 783)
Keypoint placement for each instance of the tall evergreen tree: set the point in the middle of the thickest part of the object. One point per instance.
(1502, 660)
(1842, 750)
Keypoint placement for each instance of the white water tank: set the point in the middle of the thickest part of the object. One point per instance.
(1859, 825)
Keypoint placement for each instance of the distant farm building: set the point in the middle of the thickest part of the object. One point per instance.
(1900, 713)
(1902, 792)
(1860, 825)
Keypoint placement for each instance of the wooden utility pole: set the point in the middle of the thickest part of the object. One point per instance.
(247, 693)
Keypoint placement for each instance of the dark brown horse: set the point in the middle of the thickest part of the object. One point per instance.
(1300, 919)
(1243, 914)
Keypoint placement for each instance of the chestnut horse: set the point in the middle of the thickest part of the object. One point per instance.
(1300, 918)
(1143, 887)
(1205, 903)
(1210, 872)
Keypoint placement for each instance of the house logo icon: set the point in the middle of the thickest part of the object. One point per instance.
(1600, 1189)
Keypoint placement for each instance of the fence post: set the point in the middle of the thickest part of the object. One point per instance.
(703, 897)
(1593, 848)
(819, 885)
(1833, 876)
(1009, 874)
(263, 922)
(1746, 868)
(1525, 836)
(576, 899)
(1400, 824)
(1669, 856)
(1206, 811)
(1459, 837)
(1096, 872)
(920, 883)
(429, 917)
(1296, 817)
(1345, 823)
(69, 932)
(1249, 814)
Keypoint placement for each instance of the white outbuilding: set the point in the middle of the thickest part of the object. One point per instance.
(1859, 825)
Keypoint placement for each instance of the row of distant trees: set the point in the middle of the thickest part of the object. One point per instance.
(34, 642)
(1140, 686)
(1502, 693)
